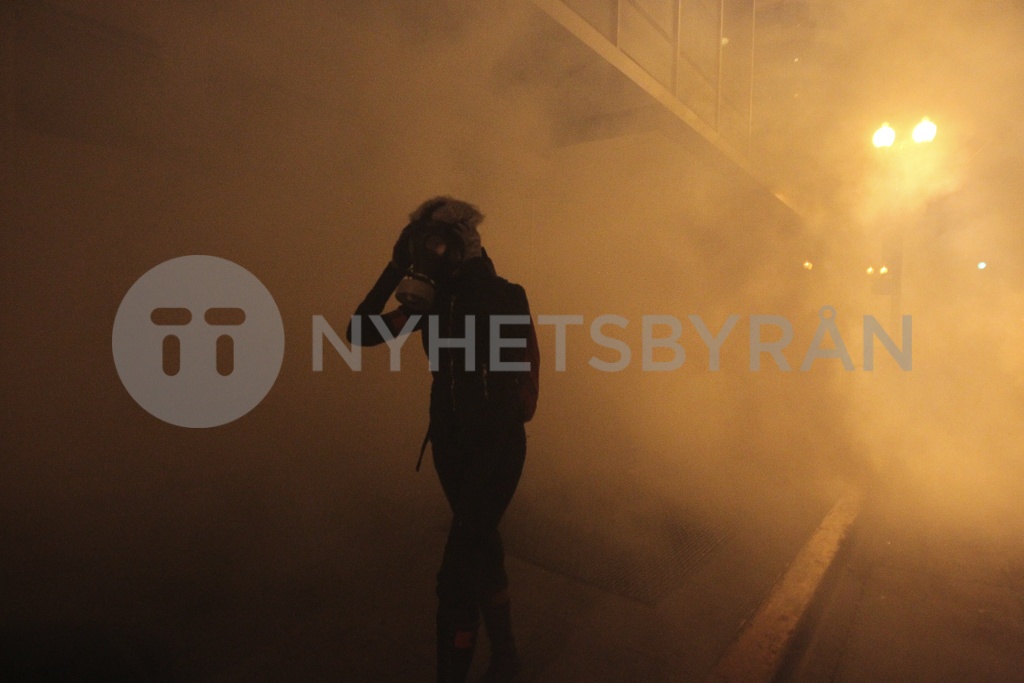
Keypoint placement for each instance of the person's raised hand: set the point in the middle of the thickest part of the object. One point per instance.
(401, 255)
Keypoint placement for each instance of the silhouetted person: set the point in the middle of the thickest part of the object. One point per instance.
(477, 413)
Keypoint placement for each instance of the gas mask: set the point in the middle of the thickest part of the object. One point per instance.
(435, 249)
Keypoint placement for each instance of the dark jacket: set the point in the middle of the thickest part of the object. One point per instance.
(480, 396)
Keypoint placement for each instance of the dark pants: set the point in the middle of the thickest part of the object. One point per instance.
(479, 475)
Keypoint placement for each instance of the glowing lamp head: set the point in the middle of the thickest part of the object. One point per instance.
(982, 266)
(884, 136)
(925, 131)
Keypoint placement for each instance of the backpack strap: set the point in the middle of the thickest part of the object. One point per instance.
(529, 386)
(423, 448)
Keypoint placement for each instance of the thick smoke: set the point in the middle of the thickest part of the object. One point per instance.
(295, 138)
(830, 77)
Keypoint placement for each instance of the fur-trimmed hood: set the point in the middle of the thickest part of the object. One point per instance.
(463, 215)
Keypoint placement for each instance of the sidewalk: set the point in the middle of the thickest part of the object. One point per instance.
(921, 598)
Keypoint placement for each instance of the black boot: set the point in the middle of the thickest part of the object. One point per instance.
(505, 664)
(454, 652)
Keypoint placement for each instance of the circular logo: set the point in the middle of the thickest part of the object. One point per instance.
(198, 341)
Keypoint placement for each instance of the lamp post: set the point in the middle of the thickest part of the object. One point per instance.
(891, 270)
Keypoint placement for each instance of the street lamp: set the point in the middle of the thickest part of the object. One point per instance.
(884, 136)
(925, 131)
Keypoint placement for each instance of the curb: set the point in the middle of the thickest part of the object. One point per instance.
(758, 653)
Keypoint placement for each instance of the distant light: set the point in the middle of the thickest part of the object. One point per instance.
(925, 131)
(884, 136)
(871, 270)
(883, 270)
(982, 266)
(808, 265)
